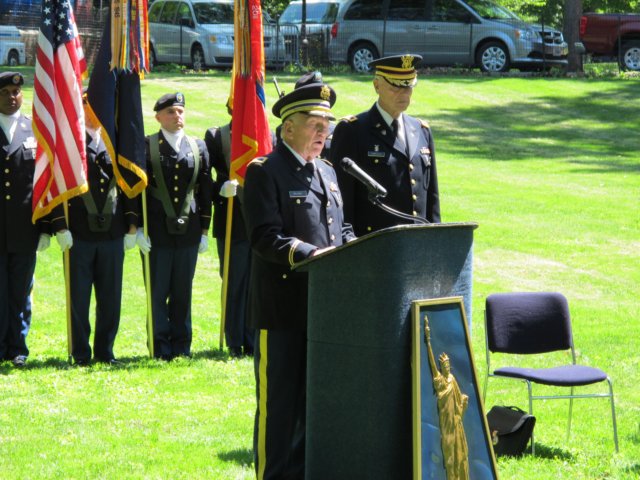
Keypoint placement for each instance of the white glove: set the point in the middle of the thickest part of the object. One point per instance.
(144, 244)
(130, 240)
(65, 240)
(229, 188)
(43, 242)
(204, 244)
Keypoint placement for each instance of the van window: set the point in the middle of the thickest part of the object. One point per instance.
(184, 13)
(364, 10)
(169, 12)
(154, 12)
(407, 10)
(208, 13)
(316, 13)
(447, 11)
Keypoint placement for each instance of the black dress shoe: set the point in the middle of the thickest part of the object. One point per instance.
(235, 352)
(19, 361)
(82, 362)
(248, 351)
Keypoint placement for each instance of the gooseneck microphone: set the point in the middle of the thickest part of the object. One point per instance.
(375, 189)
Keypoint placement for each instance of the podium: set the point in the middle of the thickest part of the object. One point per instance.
(359, 350)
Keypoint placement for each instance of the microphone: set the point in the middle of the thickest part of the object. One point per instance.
(375, 189)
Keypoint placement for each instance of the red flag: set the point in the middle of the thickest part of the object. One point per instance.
(58, 116)
(250, 129)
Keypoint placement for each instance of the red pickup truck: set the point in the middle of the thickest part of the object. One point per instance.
(612, 35)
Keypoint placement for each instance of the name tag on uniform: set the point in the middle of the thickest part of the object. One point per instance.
(298, 193)
(30, 142)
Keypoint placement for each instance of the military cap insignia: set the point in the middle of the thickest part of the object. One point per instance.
(180, 97)
(325, 93)
(16, 79)
(407, 61)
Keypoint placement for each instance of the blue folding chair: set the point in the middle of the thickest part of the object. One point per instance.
(536, 323)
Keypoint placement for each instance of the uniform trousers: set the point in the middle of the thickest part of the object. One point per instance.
(172, 270)
(96, 264)
(280, 362)
(16, 277)
(236, 331)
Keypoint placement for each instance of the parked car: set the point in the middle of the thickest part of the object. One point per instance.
(445, 32)
(200, 32)
(320, 15)
(12, 51)
(614, 35)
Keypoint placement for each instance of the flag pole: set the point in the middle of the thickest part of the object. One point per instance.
(225, 269)
(147, 277)
(67, 289)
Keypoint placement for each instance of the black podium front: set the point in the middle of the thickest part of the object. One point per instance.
(359, 353)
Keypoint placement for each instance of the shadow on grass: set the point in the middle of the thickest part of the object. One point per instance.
(243, 456)
(128, 363)
(542, 451)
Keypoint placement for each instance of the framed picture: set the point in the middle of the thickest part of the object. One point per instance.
(451, 438)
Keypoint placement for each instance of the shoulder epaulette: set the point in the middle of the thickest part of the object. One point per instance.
(349, 118)
(326, 161)
(424, 124)
(258, 161)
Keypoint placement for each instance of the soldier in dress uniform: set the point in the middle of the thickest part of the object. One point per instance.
(394, 148)
(19, 237)
(293, 210)
(102, 224)
(239, 337)
(178, 219)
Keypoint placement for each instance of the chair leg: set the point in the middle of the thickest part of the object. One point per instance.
(570, 413)
(533, 444)
(613, 415)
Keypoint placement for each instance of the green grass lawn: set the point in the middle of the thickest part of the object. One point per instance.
(550, 170)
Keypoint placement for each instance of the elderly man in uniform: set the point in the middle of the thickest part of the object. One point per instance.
(102, 224)
(293, 210)
(19, 238)
(394, 148)
(178, 218)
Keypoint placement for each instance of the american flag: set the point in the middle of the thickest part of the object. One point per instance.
(58, 116)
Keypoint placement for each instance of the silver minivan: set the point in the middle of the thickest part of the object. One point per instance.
(200, 32)
(471, 33)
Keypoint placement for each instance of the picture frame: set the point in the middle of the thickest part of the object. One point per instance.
(435, 397)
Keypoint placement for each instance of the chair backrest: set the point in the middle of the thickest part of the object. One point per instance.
(528, 322)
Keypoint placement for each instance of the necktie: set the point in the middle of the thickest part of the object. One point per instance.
(394, 127)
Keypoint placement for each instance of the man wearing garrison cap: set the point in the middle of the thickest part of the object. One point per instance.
(20, 238)
(394, 148)
(178, 217)
(293, 210)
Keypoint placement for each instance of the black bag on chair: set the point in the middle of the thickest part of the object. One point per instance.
(511, 430)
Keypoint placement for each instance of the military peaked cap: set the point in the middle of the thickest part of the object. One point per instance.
(398, 70)
(11, 78)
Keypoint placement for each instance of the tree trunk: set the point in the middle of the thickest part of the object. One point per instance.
(571, 32)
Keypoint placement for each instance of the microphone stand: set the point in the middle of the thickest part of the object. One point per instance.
(375, 199)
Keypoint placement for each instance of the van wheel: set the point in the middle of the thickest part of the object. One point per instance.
(197, 58)
(493, 57)
(630, 58)
(360, 55)
(13, 59)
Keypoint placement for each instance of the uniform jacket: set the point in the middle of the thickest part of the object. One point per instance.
(288, 216)
(99, 175)
(17, 233)
(213, 140)
(410, 178)
(177, 170)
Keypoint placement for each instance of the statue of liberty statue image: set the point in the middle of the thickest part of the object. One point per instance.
(452, 404)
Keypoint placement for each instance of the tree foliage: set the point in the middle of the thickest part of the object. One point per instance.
(551, 12)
